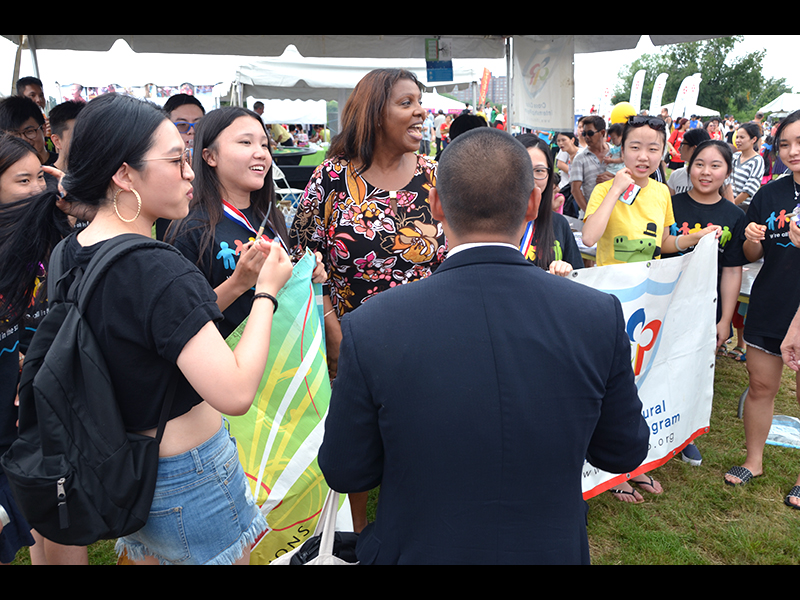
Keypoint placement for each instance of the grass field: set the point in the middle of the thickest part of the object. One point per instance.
(697, 520)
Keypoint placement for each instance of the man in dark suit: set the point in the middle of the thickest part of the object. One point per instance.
(473, 397)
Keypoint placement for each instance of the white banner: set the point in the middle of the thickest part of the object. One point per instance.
(658, 93)
(670, 314)
(693, 93)
(543, 84)
(681, 99)
(636, 90)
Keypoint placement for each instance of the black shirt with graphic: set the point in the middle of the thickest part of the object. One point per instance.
(691, 216)
(775, 296)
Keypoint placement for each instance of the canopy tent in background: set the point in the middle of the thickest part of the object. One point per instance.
(436, 102)
(783, 105)
(152, 76)
(336, 46)
(311, 112)
(700, 111)
(293, 76)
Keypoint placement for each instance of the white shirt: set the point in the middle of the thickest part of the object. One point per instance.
(470, 245)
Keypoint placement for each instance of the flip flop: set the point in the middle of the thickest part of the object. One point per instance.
(738, 354)
(742, 473)
(631, 493)
(647, 483)
(793, 493)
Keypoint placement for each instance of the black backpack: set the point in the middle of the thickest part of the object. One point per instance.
(75, 473)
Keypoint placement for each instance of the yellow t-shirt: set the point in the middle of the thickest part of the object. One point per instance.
(634, 232)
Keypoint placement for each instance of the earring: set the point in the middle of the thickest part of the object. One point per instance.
(138, 210)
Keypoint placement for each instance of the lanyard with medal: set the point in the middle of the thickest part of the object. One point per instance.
(527, 239)
(237, 216)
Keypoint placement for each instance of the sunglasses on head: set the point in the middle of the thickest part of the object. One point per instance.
(656, 123)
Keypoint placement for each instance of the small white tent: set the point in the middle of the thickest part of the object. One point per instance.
(292, 76)
(700, 111)
(783, 104)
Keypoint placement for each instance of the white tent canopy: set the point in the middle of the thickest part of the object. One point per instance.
(292, 76)
(330, 46)
(700, 111)
(368, 46)
(785, 103)
(435, 102)
(310, 112)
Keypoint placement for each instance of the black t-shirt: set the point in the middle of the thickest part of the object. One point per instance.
(692, 216)
(220, 258)
(9, 375)
(776, 291)
(14, 339)
(143, 312)
(565, 247)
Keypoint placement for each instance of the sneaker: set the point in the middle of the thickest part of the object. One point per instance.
(692, 455)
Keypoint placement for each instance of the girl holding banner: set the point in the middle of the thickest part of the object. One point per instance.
(629, 218)
(709, 165)
(233, 195)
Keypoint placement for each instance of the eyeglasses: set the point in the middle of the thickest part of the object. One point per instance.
(184, 127)
(589, 133)
(185, 160)
(541, 174)
(656, 123)
(29, 134)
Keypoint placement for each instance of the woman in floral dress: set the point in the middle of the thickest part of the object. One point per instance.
(366, 207)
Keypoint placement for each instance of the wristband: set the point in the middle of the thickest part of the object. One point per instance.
(271, 297)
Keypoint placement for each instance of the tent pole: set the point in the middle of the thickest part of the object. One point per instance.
(17, 61)
(34, 60)
(509, 87)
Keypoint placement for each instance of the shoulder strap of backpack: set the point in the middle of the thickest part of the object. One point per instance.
(112, 250)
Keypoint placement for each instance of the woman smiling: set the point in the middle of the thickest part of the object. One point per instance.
(233, 192)
(366, 207)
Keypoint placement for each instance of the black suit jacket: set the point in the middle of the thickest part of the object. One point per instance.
(472, 398)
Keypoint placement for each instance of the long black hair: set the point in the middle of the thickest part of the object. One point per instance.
(113, 129)
(545, 236)
(208, 190)
(29, 229)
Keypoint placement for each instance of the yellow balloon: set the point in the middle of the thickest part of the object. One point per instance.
(621, 112)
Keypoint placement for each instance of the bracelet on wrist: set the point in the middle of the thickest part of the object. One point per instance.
(270, 296)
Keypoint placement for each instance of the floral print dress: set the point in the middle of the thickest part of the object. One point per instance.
(367, 246)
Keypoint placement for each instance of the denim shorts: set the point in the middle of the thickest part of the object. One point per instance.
(203, 511)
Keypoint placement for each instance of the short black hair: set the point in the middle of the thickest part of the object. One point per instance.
(15, 110)
(616, 128)
(464, 123)
(484, 180)
(596, 121)
(180, 100)
(24, 82)
(695, 137)
(62, 114)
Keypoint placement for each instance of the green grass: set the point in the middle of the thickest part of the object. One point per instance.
(697, 520)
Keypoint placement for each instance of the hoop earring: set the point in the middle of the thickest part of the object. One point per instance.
(138, 210)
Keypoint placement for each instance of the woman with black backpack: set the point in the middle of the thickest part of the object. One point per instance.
(153, 316)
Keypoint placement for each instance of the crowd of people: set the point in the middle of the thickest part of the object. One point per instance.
(391, 205)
